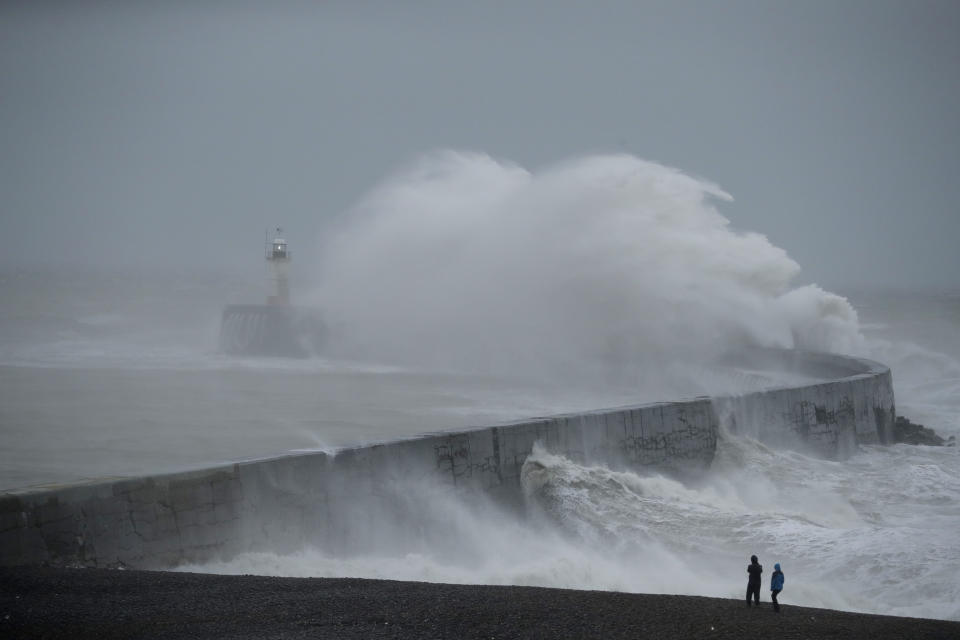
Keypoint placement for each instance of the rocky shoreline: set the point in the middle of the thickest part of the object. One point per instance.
(907, 432)
(46, 602)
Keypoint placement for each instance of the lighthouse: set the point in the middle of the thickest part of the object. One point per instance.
(276, 328)
(278, 259)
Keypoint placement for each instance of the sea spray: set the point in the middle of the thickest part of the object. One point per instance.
(599, 268)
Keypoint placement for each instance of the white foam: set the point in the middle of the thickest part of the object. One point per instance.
(849, 535)
(605, 267)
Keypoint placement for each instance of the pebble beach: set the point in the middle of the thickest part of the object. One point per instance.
(47, 602)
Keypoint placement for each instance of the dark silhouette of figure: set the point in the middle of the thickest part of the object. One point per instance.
(754, 569)
(776, 585)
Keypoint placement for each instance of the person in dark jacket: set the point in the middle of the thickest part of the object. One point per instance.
(754, 569)
(776, 585)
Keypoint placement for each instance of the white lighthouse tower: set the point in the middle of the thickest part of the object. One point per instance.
(278, 259)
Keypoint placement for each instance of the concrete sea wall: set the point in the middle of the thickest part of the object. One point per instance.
(270, 330)
(340, 501)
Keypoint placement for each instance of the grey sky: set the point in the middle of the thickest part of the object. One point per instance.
(168, 132)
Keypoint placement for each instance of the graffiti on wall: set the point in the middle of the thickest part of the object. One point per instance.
(453, 457)
(812, 421)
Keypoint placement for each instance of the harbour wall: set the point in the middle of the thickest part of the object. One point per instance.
(340, 502)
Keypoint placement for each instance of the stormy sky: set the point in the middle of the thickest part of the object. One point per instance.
(174, 133)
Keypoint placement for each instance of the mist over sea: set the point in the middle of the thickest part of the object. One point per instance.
(464, 291)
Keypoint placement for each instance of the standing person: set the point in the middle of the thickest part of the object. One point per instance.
(754, 569)
(776, 586)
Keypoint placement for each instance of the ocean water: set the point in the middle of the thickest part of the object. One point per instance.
(471, 291)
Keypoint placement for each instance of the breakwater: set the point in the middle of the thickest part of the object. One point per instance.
(329, 500)
(270, 330)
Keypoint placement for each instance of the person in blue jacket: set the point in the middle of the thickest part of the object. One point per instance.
(754, 569)
(776, 585)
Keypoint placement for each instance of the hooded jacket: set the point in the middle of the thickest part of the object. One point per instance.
(754, 569)
(776, 579)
